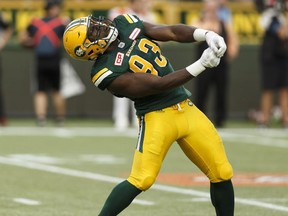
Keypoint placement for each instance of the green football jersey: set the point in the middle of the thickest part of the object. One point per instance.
(136, 53)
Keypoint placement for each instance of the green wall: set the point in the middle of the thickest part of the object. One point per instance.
(17, 63)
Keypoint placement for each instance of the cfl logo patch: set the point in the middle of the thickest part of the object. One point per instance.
(119, 59)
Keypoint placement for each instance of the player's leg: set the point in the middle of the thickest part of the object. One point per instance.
(60, 107)
(283, 101)
(153, 144)
(2, 112)
(222, 197)
(268, 84)
(59, 101)
(266, 107)
(283, 92)
(40, 105)
(204, 147)
(40, 95)
(119, 199)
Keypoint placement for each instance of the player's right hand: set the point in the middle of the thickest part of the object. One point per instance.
(209, 59)
(216, 43)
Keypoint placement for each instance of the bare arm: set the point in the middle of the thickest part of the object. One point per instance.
(179, 33)
(184, 34)
(232, 43)
(137, 85)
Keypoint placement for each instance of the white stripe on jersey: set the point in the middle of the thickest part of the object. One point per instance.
(133, 18)
(134, 33)
(140, 135)
(102, 77)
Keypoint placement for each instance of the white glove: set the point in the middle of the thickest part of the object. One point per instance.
(215, 41)
(208, 59)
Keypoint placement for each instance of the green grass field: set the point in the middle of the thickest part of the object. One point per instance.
(70, 171)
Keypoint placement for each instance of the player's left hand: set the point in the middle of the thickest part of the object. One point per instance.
(209, 59)
(216, 43)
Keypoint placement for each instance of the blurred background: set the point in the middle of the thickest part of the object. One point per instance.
(17, 62)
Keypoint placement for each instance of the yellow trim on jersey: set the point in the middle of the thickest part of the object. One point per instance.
(128, 18)
(97, 75)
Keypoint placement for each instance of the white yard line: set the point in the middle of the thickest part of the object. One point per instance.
(26, 201)
(64, 171)
(67, 132)
(275, 138)
(143, 202)
(269, 137)
(111, 179)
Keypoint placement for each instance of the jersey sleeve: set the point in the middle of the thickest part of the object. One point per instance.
(102, 78)
(104, 72)
(126, 21)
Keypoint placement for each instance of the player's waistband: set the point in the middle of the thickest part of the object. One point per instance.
(177, 106)
(181, 104)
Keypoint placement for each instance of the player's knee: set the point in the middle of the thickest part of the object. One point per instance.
(144, 183)
(224, 173)
(147, 182)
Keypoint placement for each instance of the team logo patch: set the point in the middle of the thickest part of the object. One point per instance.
(79, 52)
(119, 59)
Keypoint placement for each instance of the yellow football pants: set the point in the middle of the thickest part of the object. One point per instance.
(195, 134)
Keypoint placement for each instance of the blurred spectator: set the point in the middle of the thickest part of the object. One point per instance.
(123, 106)
(141, 8)
(218, 77)
(224, 12)
(45, 37)
(274, 62)
(6, 31)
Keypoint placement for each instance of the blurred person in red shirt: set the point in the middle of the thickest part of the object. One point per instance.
(45, 37)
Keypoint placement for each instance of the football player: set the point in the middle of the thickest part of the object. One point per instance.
(128, 62)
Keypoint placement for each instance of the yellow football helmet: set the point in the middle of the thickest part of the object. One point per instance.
(88, 37)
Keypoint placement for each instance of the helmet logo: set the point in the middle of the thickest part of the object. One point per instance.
(79, 51)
